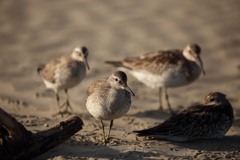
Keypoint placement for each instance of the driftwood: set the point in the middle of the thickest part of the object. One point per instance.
(18, 143)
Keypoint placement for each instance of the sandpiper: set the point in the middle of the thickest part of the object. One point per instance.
(164, 69)
(65, 72)
(210, 120)
(109, 99)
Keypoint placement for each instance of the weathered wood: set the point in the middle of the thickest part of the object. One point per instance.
(18, 143)
(12, 133)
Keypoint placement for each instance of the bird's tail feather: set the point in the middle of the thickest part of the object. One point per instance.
(117, 64)
(40, 68)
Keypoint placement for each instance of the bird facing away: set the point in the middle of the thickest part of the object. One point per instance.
(164, 69)
(65, 72)
(210, 120)
(109, 99)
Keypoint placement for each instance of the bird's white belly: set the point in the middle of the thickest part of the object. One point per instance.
(67, 82)
(50, 85)
(166, 79)
(107, 109)
(105, 114)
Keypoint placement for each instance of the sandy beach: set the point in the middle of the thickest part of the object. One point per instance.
(33, 32)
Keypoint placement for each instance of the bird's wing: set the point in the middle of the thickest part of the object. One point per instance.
(153, 62)
(49, 70)
(97, 85)
(61, 65)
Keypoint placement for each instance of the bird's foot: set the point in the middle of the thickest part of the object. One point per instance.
(67, 105)
(105, 141)
(107, 138)
(160, 108)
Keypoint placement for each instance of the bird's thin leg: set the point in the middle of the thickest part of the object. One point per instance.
(66, 103)
(110, 127)
(104, 139)
(160, 98)
(167, 99)
(59, 111)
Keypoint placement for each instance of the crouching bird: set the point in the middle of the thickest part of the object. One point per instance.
(210, 120)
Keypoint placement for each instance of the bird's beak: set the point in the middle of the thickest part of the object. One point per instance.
(128, 89)
(85, 58)
(201, 64)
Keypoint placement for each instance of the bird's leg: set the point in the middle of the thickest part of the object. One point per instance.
(66, 103)
(167, 99)
(104, 139)
(160, 98)
(59, 111)
(110, 127)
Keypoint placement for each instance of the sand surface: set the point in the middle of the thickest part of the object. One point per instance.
(32, 32)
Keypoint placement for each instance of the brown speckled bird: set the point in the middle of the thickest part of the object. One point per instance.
(164, 69)
(210, 120)
(65, 72)
(109, 99)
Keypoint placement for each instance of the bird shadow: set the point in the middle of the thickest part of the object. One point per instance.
(162, 115)
(228, 143)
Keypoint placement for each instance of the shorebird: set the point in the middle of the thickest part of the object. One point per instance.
(164, 69)
(109, 99)
(65, 72)
(210, 120)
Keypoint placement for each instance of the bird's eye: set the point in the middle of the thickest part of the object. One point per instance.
(211, 99)
(116, 79)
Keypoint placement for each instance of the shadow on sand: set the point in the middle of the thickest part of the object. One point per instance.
(228, 143)
(161, 115)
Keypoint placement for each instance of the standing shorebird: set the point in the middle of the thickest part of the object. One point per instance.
(65, 72)
(210, 120)
(164, 69)
(109, 99)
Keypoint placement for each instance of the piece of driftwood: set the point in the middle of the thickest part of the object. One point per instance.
(18, 143)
